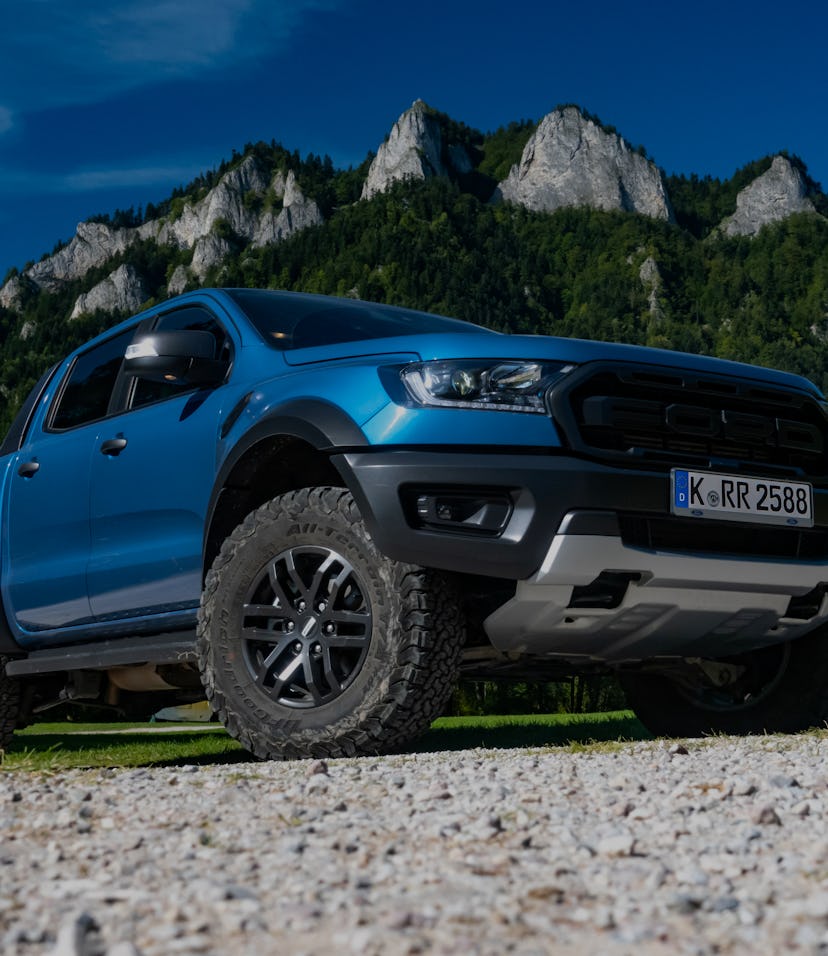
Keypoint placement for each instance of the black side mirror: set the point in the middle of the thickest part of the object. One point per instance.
(180, 358)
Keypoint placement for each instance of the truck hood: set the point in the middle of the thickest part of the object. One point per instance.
(486, 344)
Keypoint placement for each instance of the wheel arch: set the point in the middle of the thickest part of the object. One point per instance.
(287, 450)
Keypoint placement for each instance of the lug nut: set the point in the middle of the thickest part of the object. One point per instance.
(301, 606)
(329, 628)
(321, 606)
(289, 626)
(297, 646)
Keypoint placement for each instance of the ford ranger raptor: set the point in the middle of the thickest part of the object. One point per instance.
(320, 513)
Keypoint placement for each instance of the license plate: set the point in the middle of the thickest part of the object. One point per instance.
(705, 494)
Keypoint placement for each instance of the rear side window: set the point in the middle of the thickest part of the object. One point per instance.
(85, 396)
(17, 432)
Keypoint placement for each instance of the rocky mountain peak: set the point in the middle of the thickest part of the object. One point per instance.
(91, 246)
(776, 194)
(225, 202)
(297, 212)
(15, 290)
(415, 149)
(571, 160)
(121, 291)
(192, 226)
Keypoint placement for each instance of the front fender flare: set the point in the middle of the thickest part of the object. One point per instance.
(322, 425)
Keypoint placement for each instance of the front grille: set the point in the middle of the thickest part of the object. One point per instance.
(716, 537)
(673, 417)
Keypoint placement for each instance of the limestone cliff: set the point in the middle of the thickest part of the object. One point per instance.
(192, 226)
(210, 250)
(121, 291)
(224, 203)
(14, 291)
(178, 281)
(651, 280)
(297, 212)
(776, 194)
(571, 161)
(91, 246)
(415, 149)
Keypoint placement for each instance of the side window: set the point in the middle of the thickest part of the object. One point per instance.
(191, 317)
(85, 396)
(17, 431)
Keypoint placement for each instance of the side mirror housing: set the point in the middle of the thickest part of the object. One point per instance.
(179, 358)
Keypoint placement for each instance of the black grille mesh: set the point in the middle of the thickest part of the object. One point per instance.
(677, 418)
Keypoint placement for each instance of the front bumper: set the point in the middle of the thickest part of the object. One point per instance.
(566, 537)
(542, 488)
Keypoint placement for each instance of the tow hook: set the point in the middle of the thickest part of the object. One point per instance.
(718, 673)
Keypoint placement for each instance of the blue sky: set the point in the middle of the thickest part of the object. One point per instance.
(107, 104)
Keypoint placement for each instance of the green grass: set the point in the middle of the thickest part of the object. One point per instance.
(532, 730)
(54, 747)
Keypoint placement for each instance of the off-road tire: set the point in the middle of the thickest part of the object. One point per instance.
(410, 634)
(791, 695)
(10, 699)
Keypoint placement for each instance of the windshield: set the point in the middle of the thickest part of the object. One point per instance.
(289, 320)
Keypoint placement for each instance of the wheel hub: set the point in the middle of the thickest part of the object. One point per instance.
(306, 626)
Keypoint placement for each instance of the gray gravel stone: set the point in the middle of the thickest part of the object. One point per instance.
(717, 847)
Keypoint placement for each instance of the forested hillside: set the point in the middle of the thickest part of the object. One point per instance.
(438, 244)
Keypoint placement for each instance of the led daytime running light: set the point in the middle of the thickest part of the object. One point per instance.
(497, 385)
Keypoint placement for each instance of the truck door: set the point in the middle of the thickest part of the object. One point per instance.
(47, 521)
(150, 486)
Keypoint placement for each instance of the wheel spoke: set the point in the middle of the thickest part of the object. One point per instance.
(267, 665)
(328, 668)
(352, 641)
(263, 610)
(282, 601)
(289, 559)
(262, 636)
(318, 581)
(285, 675)
(336, 584)
(311, 682)
(350, 617)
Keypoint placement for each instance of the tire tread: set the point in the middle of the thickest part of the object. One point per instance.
(425, 661)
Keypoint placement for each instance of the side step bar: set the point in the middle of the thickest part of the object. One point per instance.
(176, 647)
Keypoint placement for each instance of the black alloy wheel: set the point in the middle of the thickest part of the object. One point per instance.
(311, 642)
(306, 626)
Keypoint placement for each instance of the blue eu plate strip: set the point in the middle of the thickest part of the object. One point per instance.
(681, 489)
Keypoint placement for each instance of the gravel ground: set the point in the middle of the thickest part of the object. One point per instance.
(716, 846)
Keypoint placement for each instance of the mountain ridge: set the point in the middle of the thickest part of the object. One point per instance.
(432, 232)
(415, 149)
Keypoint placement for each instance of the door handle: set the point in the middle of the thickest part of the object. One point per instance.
(28, 468)
(113, 446)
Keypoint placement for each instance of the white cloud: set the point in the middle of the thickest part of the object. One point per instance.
(175, 35)
(54, 53)
(93, 179)
(5, 120)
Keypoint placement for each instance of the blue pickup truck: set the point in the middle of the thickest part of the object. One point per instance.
(319, 513)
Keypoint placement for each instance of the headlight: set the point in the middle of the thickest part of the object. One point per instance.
(511, 386)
